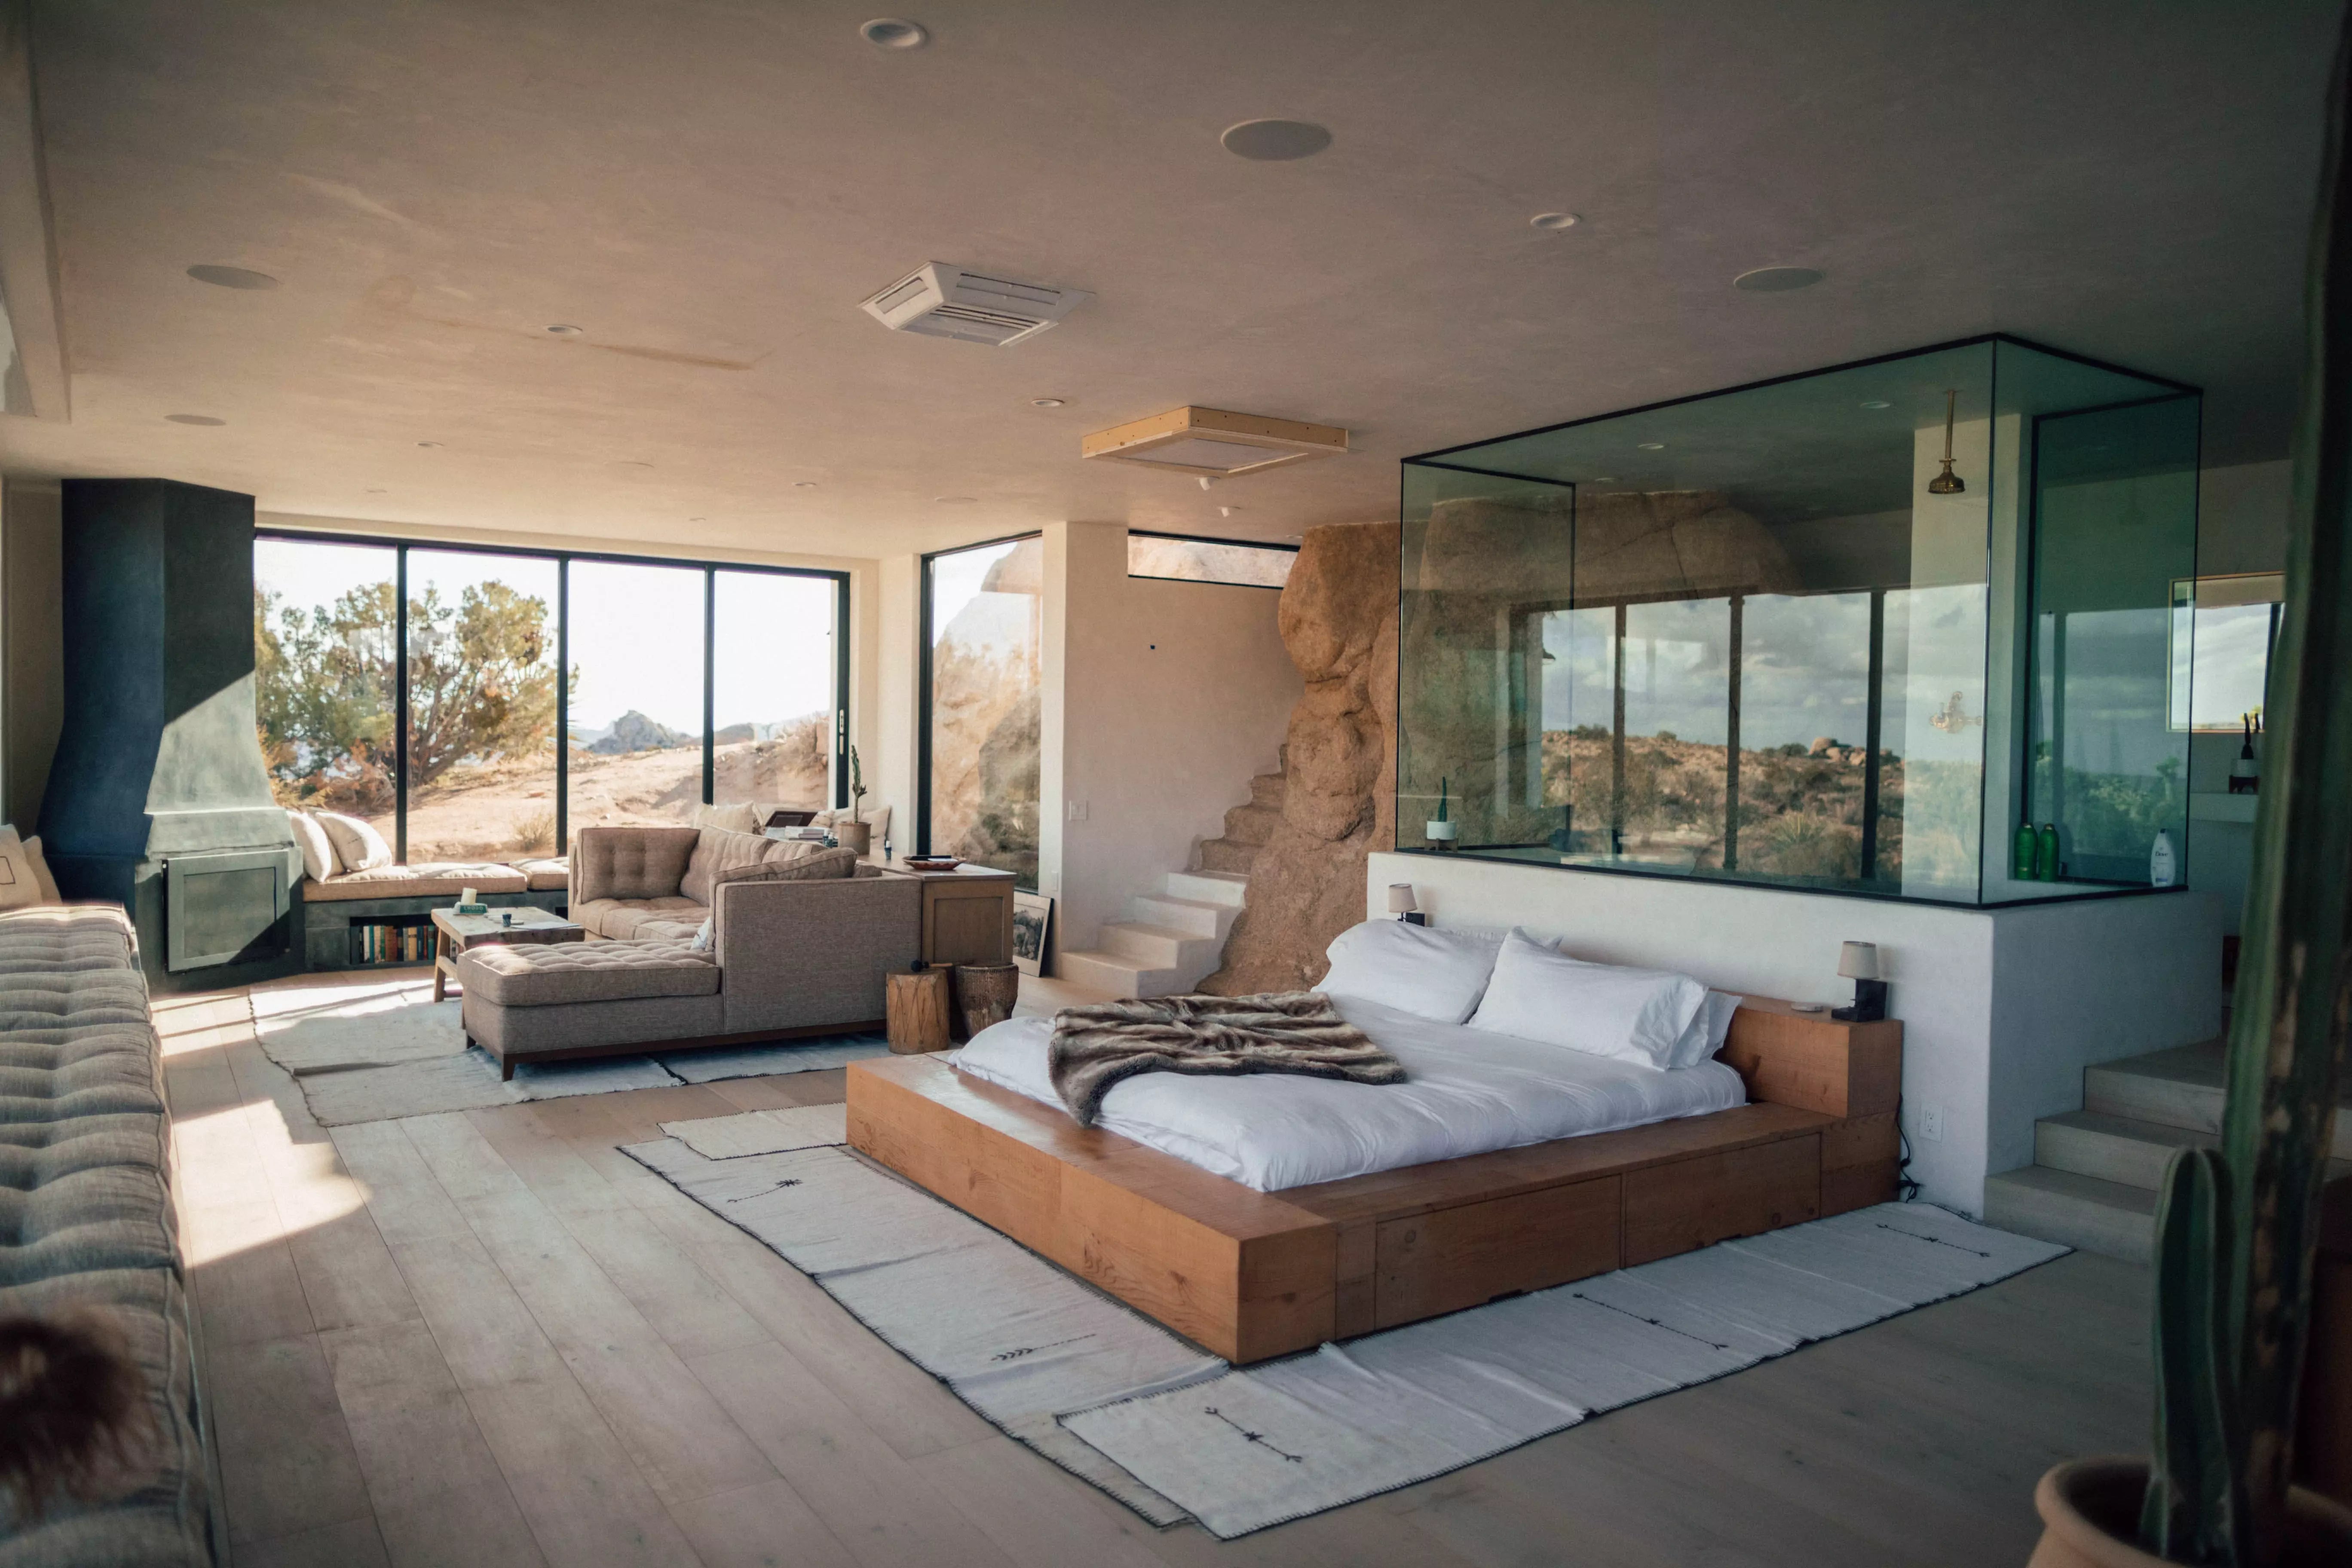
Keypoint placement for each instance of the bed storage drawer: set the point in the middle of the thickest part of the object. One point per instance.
(1454, 1257)
(1685, 1204)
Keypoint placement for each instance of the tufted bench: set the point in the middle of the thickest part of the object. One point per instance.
(86, 1218)
(570, 998)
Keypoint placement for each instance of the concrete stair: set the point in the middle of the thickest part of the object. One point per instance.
(2095, 1172)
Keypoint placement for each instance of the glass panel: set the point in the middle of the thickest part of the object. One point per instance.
(324, 689)
(481, 706)
(772, 690)
(2114, 521)
(983, 645)
(636, 644)
(1209, 560)
(1742, 605)
(2223, 629)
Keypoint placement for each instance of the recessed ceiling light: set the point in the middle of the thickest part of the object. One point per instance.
(894, 33)
(376, 492)
(232, 277)
(193, 419)
(697, 519)
(1877, 402)
(428, 443)
(1651, 446)
(1555, 221)
(565, 330)
(1275, 140)
(803, 484)
(632, 463)
(951, 500)
(1777, 280)
(1047, 402)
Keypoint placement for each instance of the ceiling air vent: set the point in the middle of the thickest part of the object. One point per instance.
(1214, 443)
(941, 301)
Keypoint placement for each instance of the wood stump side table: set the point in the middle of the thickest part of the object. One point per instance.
(917, 1012)
(986, 994)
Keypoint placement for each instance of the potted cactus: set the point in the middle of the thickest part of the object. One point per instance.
(2237, 1226)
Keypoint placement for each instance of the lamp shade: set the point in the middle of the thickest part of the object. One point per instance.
(1859, 961)
(1400, 899)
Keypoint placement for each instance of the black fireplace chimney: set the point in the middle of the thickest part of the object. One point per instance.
(158, 799)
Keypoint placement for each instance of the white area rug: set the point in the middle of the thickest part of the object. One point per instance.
(380, 1048)
(764, 1131)
(1171, 1431)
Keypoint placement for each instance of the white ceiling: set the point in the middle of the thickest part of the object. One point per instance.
(709, 187)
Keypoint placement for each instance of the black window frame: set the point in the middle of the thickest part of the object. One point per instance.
(400, 545)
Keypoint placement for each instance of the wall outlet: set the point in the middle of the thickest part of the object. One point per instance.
(1077, 809)
(1931, 1124)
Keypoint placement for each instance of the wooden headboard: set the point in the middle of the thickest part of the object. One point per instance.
(1815, 1062)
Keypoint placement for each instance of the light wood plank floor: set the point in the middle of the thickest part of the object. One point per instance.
(488, 1337)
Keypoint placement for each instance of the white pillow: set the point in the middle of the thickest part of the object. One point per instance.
(358, 847)
(318, 849)
(1709, 1027)
(702, 938)
(1430, 973)
(1630, 1014)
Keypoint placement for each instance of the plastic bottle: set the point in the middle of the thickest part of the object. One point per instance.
(2027, 853)
(2045, 854)
(2163, 865)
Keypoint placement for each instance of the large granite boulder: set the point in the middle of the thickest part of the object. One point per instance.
(1338, 621)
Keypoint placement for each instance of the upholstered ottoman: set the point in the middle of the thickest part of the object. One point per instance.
(588, 999)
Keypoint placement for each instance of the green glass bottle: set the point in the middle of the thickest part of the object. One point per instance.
(2045, 856)
(2027, 855)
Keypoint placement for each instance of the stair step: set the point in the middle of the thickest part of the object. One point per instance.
(1226, 855)
(1270, 790)
(2107, 1217)
(2111, 1148)
(2181, 1088)
(1252, 824)
(1121, 977)
(1227, 888)
(1193, 916)
(1160, 947)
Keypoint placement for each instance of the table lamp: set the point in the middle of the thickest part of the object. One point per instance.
(1401, 904)
(1858, 962)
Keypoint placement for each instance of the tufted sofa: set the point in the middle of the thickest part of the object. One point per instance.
(85, 1220)
(799, 945)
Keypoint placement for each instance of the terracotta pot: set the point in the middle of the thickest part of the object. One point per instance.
(2090, 1518)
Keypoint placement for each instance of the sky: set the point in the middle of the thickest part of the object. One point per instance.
(636, 631)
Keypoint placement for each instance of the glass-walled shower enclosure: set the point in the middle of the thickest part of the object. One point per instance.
(1762, 637)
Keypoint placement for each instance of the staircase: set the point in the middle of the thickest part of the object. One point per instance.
(2092, 1183)
(1173, 939)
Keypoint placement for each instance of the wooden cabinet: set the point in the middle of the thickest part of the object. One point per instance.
(967, 913)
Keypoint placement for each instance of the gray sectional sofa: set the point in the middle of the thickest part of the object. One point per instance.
(799, 944)
(86, 1217)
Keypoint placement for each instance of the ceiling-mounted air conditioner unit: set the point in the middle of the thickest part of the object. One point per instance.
(1214, 443)
(940, 299)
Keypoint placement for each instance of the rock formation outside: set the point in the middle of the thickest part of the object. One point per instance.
(1338, 621)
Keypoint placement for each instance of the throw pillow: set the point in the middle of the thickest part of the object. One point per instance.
(318, 849)
(1538, 993)
(1421, 970)
(822, 866)
(41, 878)
(358, 847)
(737, 818)
(18, 889)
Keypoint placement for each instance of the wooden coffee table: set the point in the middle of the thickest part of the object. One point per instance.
(453, 934)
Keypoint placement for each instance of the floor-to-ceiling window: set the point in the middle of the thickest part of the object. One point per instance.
(326, 687)
(482, 673)
(774, 684)
(981, 686)
(506, 651)
(636, 652)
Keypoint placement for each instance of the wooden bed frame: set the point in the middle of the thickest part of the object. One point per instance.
(1251, 1275)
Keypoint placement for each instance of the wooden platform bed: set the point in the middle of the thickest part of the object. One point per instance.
(1251, 1275)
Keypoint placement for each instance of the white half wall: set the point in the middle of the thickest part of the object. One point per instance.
(2001, 1009)
(1170, 696)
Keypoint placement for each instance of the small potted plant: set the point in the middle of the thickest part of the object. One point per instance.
(853, 831)
(1441, 830)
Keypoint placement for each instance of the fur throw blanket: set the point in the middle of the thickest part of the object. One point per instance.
(1095, 1048)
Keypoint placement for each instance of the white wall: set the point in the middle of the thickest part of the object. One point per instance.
(2001, 1009)
(1161, 700)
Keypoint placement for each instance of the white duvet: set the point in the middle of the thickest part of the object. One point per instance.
(1466, 1091)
